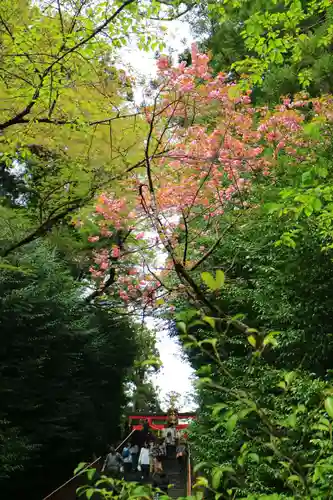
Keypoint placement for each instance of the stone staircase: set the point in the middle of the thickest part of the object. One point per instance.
(177, 477)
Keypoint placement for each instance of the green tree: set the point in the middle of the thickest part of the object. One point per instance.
(147, 363)
(63, 369)
(67, 114)
(283, 46)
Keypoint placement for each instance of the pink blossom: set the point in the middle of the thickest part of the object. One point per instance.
(92, 239)
(115, 252)
(281, 145)
(163, 63)
(123, 295)
(139, 236)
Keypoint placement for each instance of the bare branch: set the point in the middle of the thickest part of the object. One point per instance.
(105, 121)
(186, 239)
(49, 224)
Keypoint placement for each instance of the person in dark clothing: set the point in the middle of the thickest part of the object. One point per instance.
(127, 460)
(112, 463)
(134, 450)
(169, 443)
(181, 455)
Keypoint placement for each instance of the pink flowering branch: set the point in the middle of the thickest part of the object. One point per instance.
(194, 171)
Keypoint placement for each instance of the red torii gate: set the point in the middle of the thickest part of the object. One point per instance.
(160, 421)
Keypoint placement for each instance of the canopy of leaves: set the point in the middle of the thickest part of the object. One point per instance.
(283, 46)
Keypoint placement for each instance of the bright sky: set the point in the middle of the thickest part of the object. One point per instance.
(177, 37)
(176, 374)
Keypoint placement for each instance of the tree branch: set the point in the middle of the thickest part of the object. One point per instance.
(52, 220)
(19, 116)
(105, 121)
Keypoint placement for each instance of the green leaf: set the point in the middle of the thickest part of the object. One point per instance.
(196, 322)
(209, 281)
(90, 473)
(182, 327)
(218, 473)
(320, 427)
(238, 317)
(139, 491)
(80, 467)
(293, 478)
(329, 406)
(270, 339)
(272, 207)
(213, 342)
(292, 420)
(307, 177)
(209, 320)
(317, 204)
(203, 380)
(252, 340)
(289, 377)
(216, 477)
(220, 278)
(308, 210)
(90, 492)
(187, 315)
(234, 92)
(201, 481)
(313, 130)
(199, 466)
(231, 423)
(243, 413)
(217, 408)
(253, 457)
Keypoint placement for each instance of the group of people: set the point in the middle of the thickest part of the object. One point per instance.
(148, 460)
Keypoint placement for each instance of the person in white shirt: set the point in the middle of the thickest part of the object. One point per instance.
(144, 461)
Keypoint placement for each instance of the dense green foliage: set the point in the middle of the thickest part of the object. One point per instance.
(63, 365)
(283, 46)
(262, 426)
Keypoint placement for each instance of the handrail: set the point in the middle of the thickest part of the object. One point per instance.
(189, 472)
(85, 468)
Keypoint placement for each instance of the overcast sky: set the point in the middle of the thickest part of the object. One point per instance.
(176, 374)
